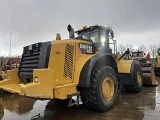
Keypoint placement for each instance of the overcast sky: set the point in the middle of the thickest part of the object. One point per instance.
(133, 21)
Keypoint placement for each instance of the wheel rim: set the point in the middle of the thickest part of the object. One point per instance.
(107, 88)
(139, 79)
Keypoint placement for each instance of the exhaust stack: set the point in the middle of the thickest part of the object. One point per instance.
(71, 31)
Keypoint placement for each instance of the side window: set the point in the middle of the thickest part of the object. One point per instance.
(85, 36)
(94, 37)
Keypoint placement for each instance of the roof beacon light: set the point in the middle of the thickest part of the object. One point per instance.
(84, 27)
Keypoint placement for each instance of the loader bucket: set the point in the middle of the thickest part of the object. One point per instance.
(148, 74)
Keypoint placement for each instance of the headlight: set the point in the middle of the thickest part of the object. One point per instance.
(36, 79)
(103, 40)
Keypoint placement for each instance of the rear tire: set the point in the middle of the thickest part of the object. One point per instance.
(137, 79)
(103, 91)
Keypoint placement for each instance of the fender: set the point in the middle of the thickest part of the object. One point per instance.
(124, 66)
(99, 59)
(79, 66)
(126, 76)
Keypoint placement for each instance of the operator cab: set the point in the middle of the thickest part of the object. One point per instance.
(138, 54)
(98, 35)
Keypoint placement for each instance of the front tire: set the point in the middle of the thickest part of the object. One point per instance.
(103, 91)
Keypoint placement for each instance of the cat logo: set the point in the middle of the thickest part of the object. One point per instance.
(86, 48)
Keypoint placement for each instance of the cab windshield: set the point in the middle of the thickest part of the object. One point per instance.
(93, 36)
(89, 34)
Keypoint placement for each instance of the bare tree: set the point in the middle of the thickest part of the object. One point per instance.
(121, 48)
(158, 46)
(130, 47)
(153, 49)
(156, 49)
(142, 48)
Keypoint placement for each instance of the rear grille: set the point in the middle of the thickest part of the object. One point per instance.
(35, 56)
(29, 62)
(68, 62)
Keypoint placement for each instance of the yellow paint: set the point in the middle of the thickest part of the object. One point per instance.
(13, 88)
(60, 93)
(13, 77)
(158, 61)
(124, 66)
(63, 91)
(59, 80)
(108, 88)
(44, 87)
(79, 65)
(57, 60)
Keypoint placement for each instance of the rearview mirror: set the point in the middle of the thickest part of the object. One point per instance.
(112, 34)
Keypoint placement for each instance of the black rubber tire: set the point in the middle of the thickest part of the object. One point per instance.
(136, 87)
(92, 96)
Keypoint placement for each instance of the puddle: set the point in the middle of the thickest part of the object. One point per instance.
(141, 106)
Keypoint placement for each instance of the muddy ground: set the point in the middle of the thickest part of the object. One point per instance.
(141, 106)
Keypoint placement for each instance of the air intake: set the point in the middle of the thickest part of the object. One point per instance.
(68, 62)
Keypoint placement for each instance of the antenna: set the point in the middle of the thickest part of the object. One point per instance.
(112, 23)
(10, 45)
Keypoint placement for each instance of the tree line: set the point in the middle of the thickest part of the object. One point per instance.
(152, 48)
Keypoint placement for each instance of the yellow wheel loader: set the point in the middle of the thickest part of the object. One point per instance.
(147, 67)
(157, 67)
(79, 66)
